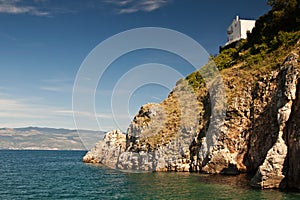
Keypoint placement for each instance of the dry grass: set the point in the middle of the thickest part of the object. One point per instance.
(176, 113)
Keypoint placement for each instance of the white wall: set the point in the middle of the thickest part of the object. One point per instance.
(238, 29)
(246, 25)
(233, 31)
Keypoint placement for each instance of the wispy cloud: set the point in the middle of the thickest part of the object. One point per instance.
(49, 8)
(132, 6)
(89, 114)
(58, 80)
(156, 98)
(64, 84)
(3, 88)
(7, 36)
(19, 7)
(22, 107)
(16, 112)
(30, 111)
(52, 89)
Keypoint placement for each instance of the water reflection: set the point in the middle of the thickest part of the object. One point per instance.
(198, 186)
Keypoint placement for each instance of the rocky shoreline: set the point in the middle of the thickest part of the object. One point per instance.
(259, 135)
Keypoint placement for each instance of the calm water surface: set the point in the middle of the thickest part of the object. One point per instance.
(62, 175)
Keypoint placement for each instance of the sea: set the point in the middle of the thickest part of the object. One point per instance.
(31, 174)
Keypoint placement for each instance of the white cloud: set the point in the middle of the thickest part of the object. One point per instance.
(27, 112)
(52, 89)
(18, 7)
(156, 98)
(20, 112)
(58, 80)
(64, 84)
(89, 114)
(131, 6)
(48, 8)
(12, 108)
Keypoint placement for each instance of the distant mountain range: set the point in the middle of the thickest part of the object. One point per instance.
(48, 138)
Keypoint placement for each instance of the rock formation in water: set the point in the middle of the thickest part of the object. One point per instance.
(107, 150)
(258, 134)
(237, 114)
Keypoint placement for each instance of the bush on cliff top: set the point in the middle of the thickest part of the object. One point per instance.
(273, 36)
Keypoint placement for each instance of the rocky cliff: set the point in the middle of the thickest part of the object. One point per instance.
(189, 131)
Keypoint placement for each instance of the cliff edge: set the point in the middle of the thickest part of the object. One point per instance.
(243, 120)
(258, 135)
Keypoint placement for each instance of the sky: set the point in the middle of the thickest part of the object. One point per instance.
(44, 43)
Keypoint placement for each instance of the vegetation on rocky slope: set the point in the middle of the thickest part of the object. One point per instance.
(240, 66)
(257, 87)
(274, 36)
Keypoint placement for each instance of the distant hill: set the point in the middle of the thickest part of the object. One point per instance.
(47, 138)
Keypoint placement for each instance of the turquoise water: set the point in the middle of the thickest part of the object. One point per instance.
(62, 175)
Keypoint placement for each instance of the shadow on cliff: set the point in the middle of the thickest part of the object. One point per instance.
(195, 146)
(291, 135)
(264, 129)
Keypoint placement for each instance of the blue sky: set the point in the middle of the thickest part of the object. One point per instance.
(44, 42)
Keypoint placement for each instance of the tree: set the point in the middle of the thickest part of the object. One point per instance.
(283, 4)
(283, 16)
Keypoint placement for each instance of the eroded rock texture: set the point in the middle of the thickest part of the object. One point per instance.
(189, 131)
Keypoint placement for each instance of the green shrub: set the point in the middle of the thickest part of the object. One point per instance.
(195, 79)
(226, 58)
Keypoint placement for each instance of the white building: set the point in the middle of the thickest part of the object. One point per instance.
(238, 29)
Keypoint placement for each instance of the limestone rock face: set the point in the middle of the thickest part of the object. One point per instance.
(160, 135)
(259, 133)
(107, 151)
(293, 138)
(272, 173)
